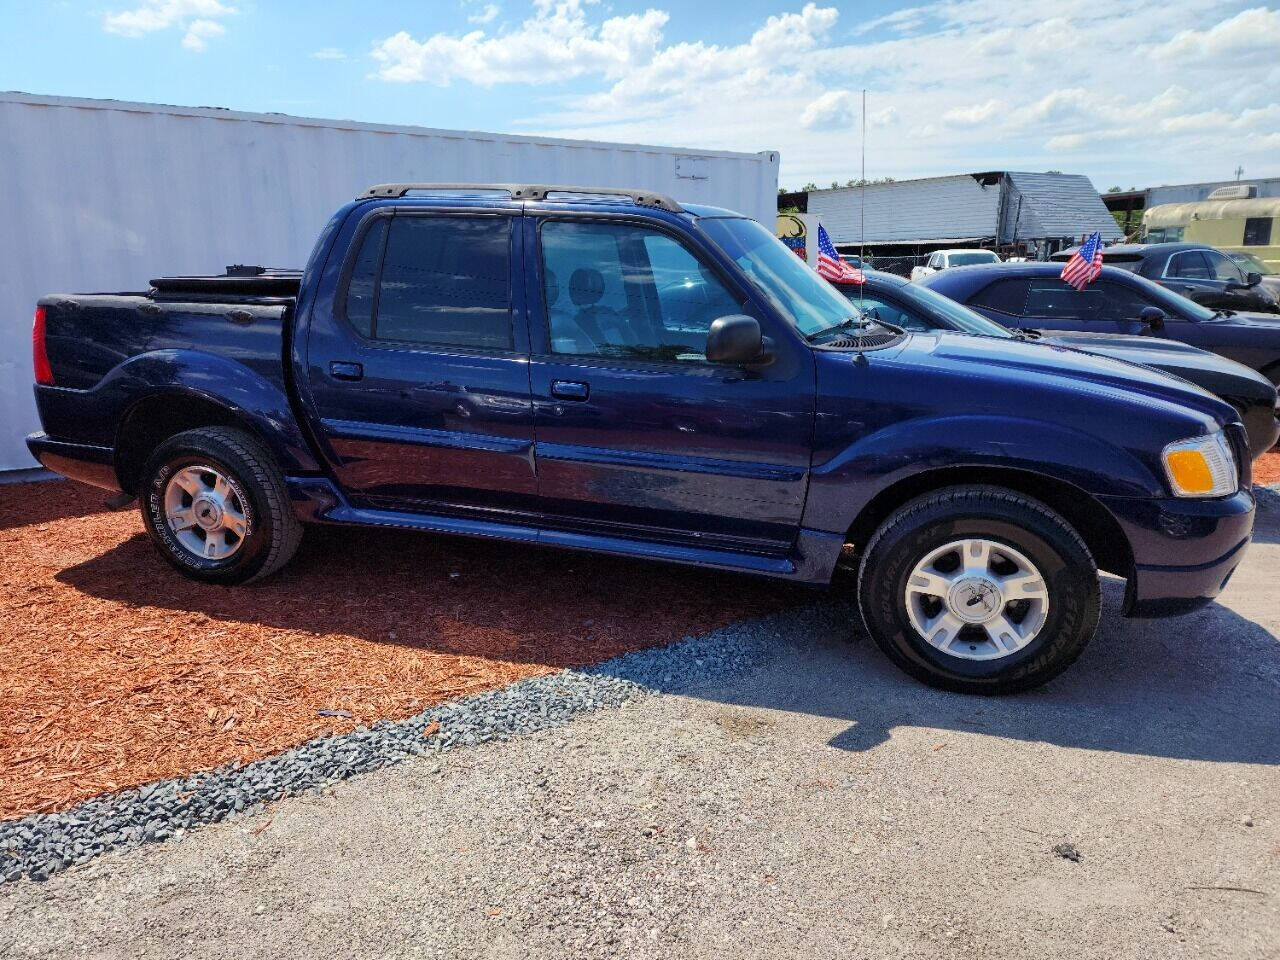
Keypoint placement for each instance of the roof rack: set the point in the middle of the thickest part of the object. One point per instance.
(523, 191)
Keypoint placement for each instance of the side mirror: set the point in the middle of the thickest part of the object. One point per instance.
(1153, 317)
(736, 340)
(1252, 279)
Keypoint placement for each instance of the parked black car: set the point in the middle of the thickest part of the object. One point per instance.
(1196, 271)
(1251, 264)
(922, 307)
(1033, 295)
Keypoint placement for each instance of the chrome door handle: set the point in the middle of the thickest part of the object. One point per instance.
(570, 390)
(342, 370)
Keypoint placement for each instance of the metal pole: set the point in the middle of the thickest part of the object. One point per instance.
(862, 239)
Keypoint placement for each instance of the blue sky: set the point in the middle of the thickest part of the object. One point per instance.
(1162, 91)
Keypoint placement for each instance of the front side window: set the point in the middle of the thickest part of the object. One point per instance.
(1188, 266)
(442, 281)
(1223, 268)
(624, 291)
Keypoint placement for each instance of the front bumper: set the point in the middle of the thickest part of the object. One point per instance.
(85, 462)
(1184, 551)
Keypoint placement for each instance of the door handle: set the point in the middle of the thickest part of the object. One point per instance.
(342, 370)
(570, 389)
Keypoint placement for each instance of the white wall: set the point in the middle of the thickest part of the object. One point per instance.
(103, 195)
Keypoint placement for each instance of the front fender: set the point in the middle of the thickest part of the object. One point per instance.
(841, 486)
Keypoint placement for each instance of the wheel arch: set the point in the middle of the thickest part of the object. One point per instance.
(1099, 530)
(154, 418)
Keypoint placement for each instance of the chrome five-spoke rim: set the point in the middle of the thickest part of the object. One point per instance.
(977, 599)
(204, 512)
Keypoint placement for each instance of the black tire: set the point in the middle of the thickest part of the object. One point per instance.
(273, 531)
(1003, 517)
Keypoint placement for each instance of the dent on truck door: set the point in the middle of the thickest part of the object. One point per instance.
(635, 430)
(419, 373)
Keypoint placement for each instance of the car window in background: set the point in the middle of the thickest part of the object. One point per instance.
(977, 256)
(786, 281)
(1223, 268)
(1004, 296)
(1127, 264)
(1189, 265)
(1251, 264)
(957, 315)
(1055, 299)
(885, 309)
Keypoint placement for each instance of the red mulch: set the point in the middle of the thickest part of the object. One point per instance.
(1266, 469)
(116, 671)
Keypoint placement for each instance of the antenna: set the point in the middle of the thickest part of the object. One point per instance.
(862, 193)
(1239, 172)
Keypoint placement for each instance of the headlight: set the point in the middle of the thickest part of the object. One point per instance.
(1201, 467)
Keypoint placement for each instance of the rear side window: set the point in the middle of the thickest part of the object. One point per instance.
(1257, 232)
(364, 278)
(1188, 266)
(442, 281)
(1004, 296)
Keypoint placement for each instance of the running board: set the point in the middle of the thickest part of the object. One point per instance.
(316, 500)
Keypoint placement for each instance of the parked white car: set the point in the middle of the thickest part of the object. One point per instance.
(942, 259)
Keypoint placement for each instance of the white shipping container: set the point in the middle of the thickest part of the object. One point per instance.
(104, 195)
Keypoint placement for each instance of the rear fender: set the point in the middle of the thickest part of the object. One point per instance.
(842, 486)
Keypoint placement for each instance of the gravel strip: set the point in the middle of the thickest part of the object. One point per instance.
(41, 844)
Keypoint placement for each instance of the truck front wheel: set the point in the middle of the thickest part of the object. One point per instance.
(979, 589)
(216, 507)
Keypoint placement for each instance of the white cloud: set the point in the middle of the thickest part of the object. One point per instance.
(329, 53)
(199, 32)
(1249, 32)
(555, 44)
(833, 110)
(964, 84)
(198, 19)
(488, 13)
(973, 115)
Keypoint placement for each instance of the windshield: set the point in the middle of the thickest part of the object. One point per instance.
(1251, 263)
(785, 280)
(968, 259)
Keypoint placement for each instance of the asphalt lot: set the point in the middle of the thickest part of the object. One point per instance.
(823, 805)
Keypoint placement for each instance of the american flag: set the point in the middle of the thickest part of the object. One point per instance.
(1085, 264)
(831, 266)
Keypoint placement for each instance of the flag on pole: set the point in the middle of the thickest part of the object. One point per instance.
(831, 266)
(1085, 264)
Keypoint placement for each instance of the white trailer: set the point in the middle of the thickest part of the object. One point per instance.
(104, 195)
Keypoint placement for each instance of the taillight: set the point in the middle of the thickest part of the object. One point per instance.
(40, 355)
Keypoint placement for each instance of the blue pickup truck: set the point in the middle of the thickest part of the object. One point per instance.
(611, 370)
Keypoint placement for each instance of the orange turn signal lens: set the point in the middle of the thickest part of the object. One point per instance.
(1190, 471)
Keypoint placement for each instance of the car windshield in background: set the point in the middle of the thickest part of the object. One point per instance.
(968, 259)
(957, 315)
(786, 281)
(1252, 264)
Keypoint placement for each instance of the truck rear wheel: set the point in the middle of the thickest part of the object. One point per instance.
(979, 589)
(216, 507)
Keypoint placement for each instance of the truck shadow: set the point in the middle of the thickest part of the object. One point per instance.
(1201, 687)
(453, 595)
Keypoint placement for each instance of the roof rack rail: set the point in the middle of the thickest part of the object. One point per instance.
(523, 191)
